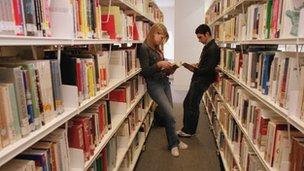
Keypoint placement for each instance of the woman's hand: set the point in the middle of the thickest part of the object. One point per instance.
(164, 64)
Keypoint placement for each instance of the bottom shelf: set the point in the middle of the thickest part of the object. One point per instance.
(217, 144)
(224, 160)
(138, 151)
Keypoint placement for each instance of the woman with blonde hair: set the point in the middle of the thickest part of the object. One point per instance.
(155, 70)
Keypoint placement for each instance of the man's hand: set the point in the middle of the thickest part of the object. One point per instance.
(164, 64)
(217, 69)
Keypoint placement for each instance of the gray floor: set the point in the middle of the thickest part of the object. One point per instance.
(200, 156)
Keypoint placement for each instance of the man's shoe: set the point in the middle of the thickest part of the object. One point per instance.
(183, 134)
(182, 145)
(175, 152)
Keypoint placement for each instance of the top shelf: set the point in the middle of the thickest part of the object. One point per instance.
(232, 10)
(281, 41)
(31, 40)
(129, 6)
(12, 40)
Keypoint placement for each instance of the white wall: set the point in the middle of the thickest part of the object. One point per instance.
(188, 15)
(169, 23)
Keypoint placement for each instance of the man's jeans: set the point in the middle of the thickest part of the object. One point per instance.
(191, 106)
(160, 92)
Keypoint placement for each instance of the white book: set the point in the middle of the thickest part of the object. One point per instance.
(103, 68)
(45, 86)
(290, 19)
(62, 18)
(301, 23)
(19, 165)
(117, 67)
(7, 118)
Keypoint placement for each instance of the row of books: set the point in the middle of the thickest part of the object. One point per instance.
(218, 8)
(226, 155)
(234, 156)
(31, 90)
(92, 69)
(50, 153)
(84, 132)
(267, 130)
(82, 19)
(121, 140)
(275, 74)
(149, 8)
(274, 19)
(239, 157)
(31, 96)
(134, 150)
(87, 130)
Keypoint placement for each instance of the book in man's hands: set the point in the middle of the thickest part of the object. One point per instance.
(189, 66)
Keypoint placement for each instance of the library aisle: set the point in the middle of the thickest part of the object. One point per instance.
(201, 154)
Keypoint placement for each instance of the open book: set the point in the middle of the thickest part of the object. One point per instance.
(172, 69)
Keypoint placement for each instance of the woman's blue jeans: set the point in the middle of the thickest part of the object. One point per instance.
(160, 92)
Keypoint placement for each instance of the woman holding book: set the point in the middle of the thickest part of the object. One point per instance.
(155, 71)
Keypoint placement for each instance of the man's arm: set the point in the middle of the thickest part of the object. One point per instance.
(212, 62)
(190, 67)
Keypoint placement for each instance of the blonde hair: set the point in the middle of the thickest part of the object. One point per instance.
(156, 28)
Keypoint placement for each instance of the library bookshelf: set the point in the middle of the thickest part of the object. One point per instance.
(131, 12)
(236, 31)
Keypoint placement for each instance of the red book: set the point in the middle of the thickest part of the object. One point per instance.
(118, 95)
(135, 30)
(101, 110)
(104, 159)
(18, 18)
(75, 136)
(85, 122)
(108, 25)
(275, 17)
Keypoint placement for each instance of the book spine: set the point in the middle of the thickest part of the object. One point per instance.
(19, 29)
(36, 101)
(16, 129)
(29, 101)
(30, 17)
(21, 102)
(3, 125)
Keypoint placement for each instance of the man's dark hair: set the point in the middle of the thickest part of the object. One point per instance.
(203, 29)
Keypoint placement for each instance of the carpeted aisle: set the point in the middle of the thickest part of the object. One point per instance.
(201, 155)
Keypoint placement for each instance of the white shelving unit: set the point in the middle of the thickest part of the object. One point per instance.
(112, 85)
(122, 152)
(230, 145)
(128, 6)
(279, 41)
(294, 43)
(14, 149)
(253, 146)
(231, 10)
(138, 151)
(296, 122)
(8, 40)
(39, 41)
(117, 121)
